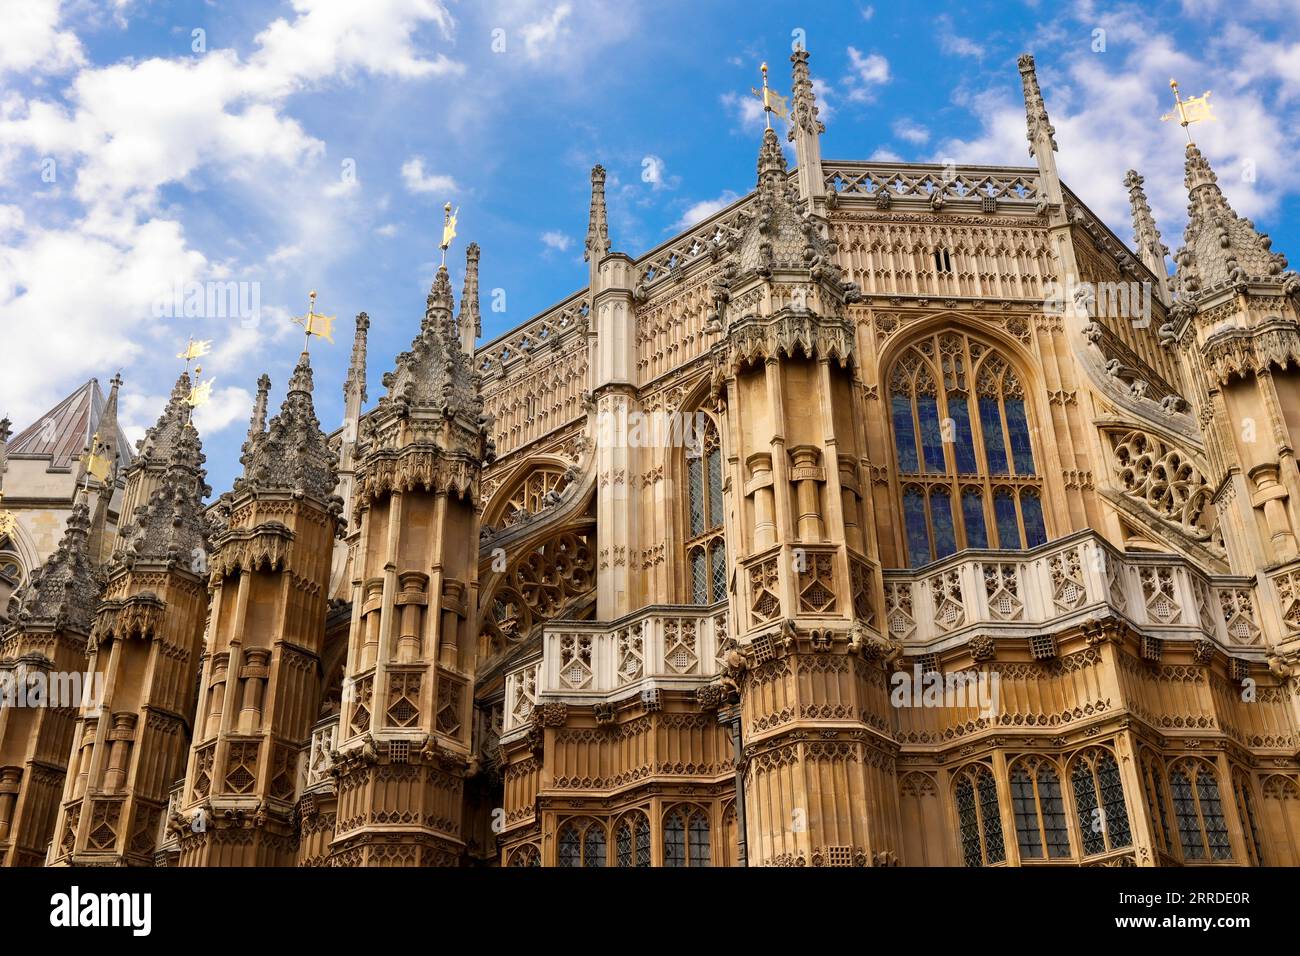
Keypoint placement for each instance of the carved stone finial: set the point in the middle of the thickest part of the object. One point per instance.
(1040, 127)
(598, 244)
(1145, 233)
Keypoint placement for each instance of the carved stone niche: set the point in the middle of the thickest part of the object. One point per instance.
(807, 476)
(758, 489)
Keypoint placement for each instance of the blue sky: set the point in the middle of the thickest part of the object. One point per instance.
(311, 145)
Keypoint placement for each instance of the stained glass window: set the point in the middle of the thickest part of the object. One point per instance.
(958, 413)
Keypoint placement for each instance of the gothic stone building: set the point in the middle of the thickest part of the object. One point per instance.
(958, 553)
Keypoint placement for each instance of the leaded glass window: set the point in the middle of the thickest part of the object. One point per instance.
(1099, 802)
(978, 817)
(1040, 818)
(1246, 810)
(581, 843)
(963, 449)
(686, 837)
(1151, 780)
(632, 840)
(706, 550)
(1202, 830)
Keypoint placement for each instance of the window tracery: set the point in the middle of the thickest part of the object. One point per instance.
(1099, 802)
(963, 450)
(706, 550)
(1242, 790)
(532, 495)
(978, 816)
(581, 843)
(1198, 811)
(1039, 812)
(632, 840)
(686, 837)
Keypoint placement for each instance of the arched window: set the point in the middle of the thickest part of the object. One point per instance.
(526, 855)
(531, 495)
(632, 840)
(1241, 789)
(1202, 832)
(1152, 776)
(963, 451)
(1040, 815)
(686, 837)
(977, 813)
(706, 549)
(582, 843)
(1099, 802)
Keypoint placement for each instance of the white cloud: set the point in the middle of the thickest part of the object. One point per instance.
(705, 208)
(883, 155)
(556, 240)
(388, 230)
(912, 132)
(122, 133)
(1104, 110)
(32, 41)
(955, 45)
(747, 109)
(868, 12)
(418, 181)
(867, 71)
(541, 36)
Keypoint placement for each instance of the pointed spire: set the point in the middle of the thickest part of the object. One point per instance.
(805, 133)
(171, 526)
(772, 169)
(469, 322)
(158, 442)
(437, 312)
(1221, 250)
(6, 432)
(257, 423)
(108, 427)
(63, 592)
(1041, 131)
(804, 114)
(598, 244)
(293, 454)
(1146, 236)
(355, 383)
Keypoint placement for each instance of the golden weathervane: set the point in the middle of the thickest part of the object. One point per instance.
(313, 323)
(773, 102)
(1194, 109)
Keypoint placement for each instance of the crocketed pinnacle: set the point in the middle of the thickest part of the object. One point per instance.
(293, 454)
(356, 380)
(63, 592)
(1220, 249)
(804, 111)
(436, 374)
(156, 447)
(1039, 125)
(1145, 233)
(468, 322)
(597, 222)
(171, 525)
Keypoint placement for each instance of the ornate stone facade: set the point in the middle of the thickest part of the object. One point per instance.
(841, 530)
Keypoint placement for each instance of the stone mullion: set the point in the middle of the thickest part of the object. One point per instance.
(833, 498)
(387, 614)
(1002, 780)
(1146, 850)
(773, 379)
